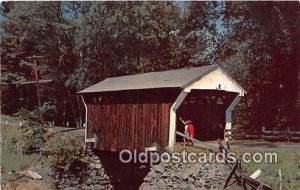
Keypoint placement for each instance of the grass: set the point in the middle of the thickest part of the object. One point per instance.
(288, 163)
(12, 162)
(11, 158)
(10, 132)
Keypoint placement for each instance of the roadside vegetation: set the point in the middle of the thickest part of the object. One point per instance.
(35, 146)
(12, 156)
(288, 163)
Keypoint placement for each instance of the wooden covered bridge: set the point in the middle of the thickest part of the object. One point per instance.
(136, 111)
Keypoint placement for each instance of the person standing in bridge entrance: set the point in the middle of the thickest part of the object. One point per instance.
(191, 131)
(188, 131)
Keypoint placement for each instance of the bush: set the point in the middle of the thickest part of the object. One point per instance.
(34, 129)
(64, 151)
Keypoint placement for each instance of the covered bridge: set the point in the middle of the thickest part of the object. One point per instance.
(136, 111)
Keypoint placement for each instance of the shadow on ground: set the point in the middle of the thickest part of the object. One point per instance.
(122, 176)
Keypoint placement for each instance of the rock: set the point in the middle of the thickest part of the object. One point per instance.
(161, 184)
(152, 174)
(145, 186)
(92, 165)
(202, 181)
(33, 175)
(154, 187)
(88, 181)
(97, 187)
(102, 183)
(93, 173)
(98, 166)
(75, 182)
(178, 175)
(208, 167)
(215, 179)
(198, 183)
(67, 181)
(94, 157)
(176, 186)
(211, 174)
(170, 184)
(159, 168)
(190, 179)
(184, 186)
(165, 174)
(185, 176)
(70, 188)
(147, 179)
(207, 185)
(60, 187)
(99, 178)
(192, 170)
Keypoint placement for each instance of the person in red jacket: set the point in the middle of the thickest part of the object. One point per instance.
(191, 130)
(188, 131)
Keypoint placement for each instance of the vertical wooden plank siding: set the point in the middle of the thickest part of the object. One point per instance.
(129, 125)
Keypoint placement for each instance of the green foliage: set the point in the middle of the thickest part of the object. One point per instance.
(64, 151)
(12, 157)
(260, 51)
(38, 28)
(117, 38)
(85, 42)
(10, 138)
(34, 130)
(288, 161)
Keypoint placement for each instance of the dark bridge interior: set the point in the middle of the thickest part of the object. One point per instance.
(206, 109)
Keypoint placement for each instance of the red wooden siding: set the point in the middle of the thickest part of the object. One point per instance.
(131, 126)
(130, 119)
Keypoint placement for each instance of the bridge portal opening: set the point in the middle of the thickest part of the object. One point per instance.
(207, 110)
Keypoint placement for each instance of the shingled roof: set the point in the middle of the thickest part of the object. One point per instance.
(162, 79)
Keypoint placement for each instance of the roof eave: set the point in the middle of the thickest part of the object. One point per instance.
(207, 72)
(199, 76)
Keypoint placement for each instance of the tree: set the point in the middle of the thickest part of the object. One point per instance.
(198, 36)
(84, 42)
(260, 49)
(117, 38)
(40, 28)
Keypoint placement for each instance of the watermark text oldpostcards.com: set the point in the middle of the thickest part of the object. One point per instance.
(127, 156)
